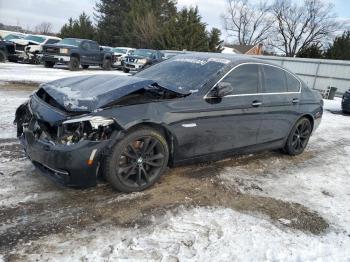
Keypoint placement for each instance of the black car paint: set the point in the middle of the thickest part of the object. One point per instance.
(197, 127)
(87, 56)
(7, 48)
(346, 102)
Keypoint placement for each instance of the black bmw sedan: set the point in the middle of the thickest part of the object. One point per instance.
(190, 108)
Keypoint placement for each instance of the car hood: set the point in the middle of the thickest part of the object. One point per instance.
(88, 93)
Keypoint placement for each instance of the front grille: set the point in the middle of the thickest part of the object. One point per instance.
(131, 60)
(52, 50)
(20, 47)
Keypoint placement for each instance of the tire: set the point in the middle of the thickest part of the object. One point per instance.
(3, 56)
(49, 64)
(298, 137)
(125, 70)
(85, 66)
(74, 64)
(107, 64)
(131, 167)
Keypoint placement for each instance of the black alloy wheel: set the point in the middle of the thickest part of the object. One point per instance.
(299, 137)
(138, 161)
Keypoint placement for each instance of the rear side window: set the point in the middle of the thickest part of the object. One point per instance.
(293, 85)
(244, 79)
(275, 80)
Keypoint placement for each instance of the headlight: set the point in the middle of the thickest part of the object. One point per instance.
(92, 128)
(95, 121)
(142, 61)
(64, 50)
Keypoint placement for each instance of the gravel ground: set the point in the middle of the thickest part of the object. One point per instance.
(265, 206)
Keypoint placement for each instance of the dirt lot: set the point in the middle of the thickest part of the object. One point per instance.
(298, 196)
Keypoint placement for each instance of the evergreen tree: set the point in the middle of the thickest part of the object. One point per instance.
(215, 43)
(79, 28)
(312, 51)
(112, 18)
(340, 49)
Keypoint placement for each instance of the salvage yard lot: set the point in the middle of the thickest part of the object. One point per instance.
(265, 206)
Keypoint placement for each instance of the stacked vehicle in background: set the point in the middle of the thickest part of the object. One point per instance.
(141, 59)
(29, 49)
(120, 54)
(77, 52)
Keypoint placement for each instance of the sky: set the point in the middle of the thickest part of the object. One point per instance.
(29, 13)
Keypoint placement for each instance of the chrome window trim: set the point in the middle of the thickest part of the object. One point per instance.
(254, 94)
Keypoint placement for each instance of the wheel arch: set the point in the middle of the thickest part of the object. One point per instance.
(76, 55)
(168, 135)
(310, 118)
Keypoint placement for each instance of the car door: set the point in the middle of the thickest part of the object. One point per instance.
(95, 53)
(281, 94)
(85, 53)
(222, 124)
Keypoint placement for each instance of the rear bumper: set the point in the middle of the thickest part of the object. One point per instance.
(55, 59)
(67, 165)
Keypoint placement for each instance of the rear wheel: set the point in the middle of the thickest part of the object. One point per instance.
(49, 64)
(298, 137)
(137, 161)
(74, 64)
(107, 64)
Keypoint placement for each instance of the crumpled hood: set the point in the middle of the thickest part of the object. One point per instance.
(87, 93)
(24, 42)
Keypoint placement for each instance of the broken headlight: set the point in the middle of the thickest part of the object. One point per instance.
(92, 128)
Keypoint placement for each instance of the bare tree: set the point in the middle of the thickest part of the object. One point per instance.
(248, 23)
(299, 26)
(44, 28)
(146, 29)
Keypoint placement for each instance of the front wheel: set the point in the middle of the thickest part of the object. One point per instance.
(137, 161)
(74, 64)
(3, 56)
(49, 64)
(298, 137)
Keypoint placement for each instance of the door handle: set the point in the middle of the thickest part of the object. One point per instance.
(295, 100)
(256, 103)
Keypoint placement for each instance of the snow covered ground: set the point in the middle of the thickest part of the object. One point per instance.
(39, 74)
(318, 181)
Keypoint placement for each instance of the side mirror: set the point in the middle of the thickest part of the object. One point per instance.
(223, 89)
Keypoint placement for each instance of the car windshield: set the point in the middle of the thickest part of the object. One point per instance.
(69, 41)
(120, 50)
(143, 53)
(35, 38)
(11, 36)
(188, 74)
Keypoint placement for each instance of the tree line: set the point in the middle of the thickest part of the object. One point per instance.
(154, 24)
(292, 28)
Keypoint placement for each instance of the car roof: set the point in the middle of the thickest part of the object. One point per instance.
(232, 58)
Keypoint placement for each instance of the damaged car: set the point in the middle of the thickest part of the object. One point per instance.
(191, 108)
(29, 49)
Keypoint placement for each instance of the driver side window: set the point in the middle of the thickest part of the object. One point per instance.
(244, 79)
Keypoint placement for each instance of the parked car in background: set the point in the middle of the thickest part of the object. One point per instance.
(13, 36)
(5, 33)
(77, 52)
(29, 49)
(345, 105)
(187, 109)
(7, 49)
(120, 53)
(142, 58)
